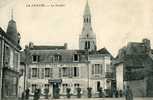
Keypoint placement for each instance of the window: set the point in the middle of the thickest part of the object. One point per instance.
(76, 71)
(87, 44)
(35, 58)
(65, 71)
(57, 58)
(42, 73)
(76, 57)
(34, 72)
(70, 71)
(48, 72)
(7, 56)
(47, 86)
(33, 87)
(60, 72)
(87, 20)
(29, 73)
(15, 60)
(97, 69)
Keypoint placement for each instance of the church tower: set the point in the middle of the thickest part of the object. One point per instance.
(87, 39)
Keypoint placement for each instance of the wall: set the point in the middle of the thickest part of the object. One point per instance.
(138, 87)
(119, 76)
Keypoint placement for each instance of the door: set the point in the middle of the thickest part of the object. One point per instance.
(55, 87)
(98, 85)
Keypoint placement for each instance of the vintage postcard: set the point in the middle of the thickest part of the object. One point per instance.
(76, 49)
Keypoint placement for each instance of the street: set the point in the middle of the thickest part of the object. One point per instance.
(135, 98)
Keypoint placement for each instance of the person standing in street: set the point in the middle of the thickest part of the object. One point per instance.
(128, 94)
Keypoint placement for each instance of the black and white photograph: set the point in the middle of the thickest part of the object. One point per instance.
(76, 50)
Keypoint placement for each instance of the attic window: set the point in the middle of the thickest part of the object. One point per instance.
(75, 57)
(35, 58)
(57, 58)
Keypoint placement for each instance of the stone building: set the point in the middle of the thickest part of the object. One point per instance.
(56, 66)
(133, 66)
(9, 61)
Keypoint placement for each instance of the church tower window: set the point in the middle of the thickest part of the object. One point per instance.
(87, 39)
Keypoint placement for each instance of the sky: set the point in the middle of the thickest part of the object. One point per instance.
(115, 22)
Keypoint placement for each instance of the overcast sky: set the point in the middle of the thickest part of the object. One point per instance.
(115, 22)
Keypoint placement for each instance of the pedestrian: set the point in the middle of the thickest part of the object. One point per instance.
(27, 93)
(128, 94)
(116, 93)
(39, 93)
(120, 93)
(36, 94)
(22, 95)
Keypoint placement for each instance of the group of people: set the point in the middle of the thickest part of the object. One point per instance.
(25, 94)
(119, 93)
(128, 94)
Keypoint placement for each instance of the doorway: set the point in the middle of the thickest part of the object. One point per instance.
(98, 85)
(55, 90)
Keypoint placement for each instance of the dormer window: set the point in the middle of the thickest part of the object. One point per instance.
(75, 57)
(57, 58)
(35, 58)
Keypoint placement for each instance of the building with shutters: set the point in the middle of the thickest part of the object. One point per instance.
(56, 66)
(9, 61)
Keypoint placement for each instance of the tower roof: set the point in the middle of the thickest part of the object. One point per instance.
(87, 9)
(12, 30)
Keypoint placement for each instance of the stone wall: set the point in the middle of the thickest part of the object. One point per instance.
(138, 87)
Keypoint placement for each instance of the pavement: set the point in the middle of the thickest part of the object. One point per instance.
(135, 98)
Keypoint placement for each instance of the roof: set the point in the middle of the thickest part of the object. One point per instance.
(43, 47)
(87, 10)
(8, 38)
(2, 32)
(48, 56)
(103, 51)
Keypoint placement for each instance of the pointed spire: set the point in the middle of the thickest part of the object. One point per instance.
(12, 14)
(87, 9)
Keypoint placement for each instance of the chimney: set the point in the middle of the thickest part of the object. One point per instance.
(65, 45)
